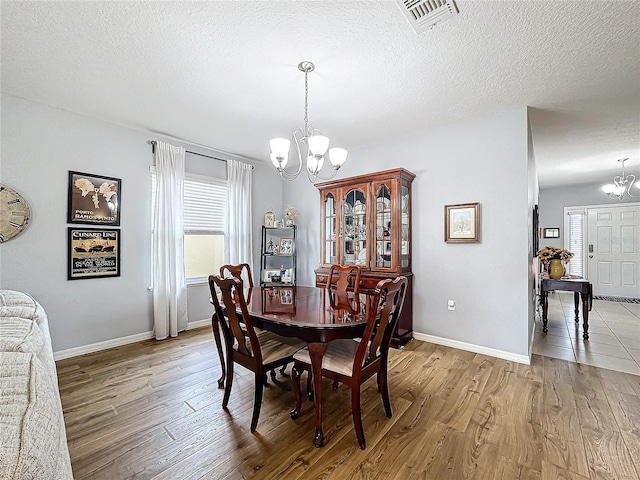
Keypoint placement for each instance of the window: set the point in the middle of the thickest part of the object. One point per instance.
(575, 241)
(205, 201)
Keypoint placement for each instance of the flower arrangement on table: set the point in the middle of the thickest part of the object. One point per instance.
(554, 253)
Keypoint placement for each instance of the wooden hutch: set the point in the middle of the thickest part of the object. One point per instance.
(366, 221)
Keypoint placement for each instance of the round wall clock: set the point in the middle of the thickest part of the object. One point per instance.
(14, 213)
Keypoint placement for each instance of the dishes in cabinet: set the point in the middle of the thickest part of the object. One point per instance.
(379, 232)
(405, 204)
(362, 257)
(383, 204)
(359, 207)
(347, 208)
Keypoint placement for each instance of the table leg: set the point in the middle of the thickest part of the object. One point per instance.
(545, 309)
(576, 304)
(585, 315)
(316, 352)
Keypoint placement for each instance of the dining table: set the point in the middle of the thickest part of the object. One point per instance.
(306, 313)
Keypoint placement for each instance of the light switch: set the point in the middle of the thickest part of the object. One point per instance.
(451, 305)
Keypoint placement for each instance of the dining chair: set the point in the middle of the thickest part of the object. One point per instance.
(353, 362)
(343, 286)
(256, 351)
(235, 271)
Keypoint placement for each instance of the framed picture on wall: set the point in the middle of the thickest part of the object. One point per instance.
(535, 229)
(462, 223)
(93, 199)
(93, 253)
(551, 232)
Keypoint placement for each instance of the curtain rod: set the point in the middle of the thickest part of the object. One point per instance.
(153, 150)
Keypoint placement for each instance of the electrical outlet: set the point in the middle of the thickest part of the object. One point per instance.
(451, 305)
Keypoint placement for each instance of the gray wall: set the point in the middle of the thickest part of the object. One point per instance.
(459, 163)
(484, 160)
(553, 201)
(39, 146)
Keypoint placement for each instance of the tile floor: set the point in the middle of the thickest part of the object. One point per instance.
(614, 334)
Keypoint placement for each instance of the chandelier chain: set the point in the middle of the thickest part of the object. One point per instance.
(306, 101)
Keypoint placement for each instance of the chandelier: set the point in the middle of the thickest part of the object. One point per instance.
(621, 184)
(308, 141)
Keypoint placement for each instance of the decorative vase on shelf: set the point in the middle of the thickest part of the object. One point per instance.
(556, 269)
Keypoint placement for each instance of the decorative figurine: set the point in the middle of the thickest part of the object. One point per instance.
(289, 215)
(269, 219)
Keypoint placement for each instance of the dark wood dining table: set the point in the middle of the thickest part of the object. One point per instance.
(305, 313)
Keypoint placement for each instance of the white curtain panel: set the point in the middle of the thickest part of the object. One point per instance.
(238, 224)
(169, 285)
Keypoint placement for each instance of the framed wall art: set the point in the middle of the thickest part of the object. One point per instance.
(93, 253)
(535, 229)
(462, 223)
(93, 199)
(551, 232)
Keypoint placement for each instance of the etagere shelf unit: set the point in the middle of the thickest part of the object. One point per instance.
(278, 256)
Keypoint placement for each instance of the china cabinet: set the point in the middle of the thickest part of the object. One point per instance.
(366, 221)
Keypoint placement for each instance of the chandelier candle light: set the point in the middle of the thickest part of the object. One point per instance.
(311, 138)
(619, 187)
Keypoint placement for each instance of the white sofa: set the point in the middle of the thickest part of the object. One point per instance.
(33, 441)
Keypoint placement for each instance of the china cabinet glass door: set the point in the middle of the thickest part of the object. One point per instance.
(404, 226)
(354, 228)
(383, 227)
(330, 224)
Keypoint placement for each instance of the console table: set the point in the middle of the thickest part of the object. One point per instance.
(580, 288)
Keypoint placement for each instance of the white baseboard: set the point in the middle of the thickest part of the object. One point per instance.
(533, 334)
(470, 347)
(199, 323)
(117, 342)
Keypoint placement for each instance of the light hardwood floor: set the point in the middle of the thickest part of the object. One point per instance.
(153, 410)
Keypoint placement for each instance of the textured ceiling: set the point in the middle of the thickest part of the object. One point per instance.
(224, 74)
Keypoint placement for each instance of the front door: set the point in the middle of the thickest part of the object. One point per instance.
(613, 250)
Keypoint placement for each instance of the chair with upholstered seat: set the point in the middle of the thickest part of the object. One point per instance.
(353, 362)
(256, 351)
(343, 286)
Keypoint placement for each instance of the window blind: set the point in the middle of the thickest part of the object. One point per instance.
(205, 201)
(576, 242)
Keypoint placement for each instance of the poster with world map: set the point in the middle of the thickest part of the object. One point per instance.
(94, 199)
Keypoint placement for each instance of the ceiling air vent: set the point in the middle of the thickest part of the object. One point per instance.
(424, 14)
